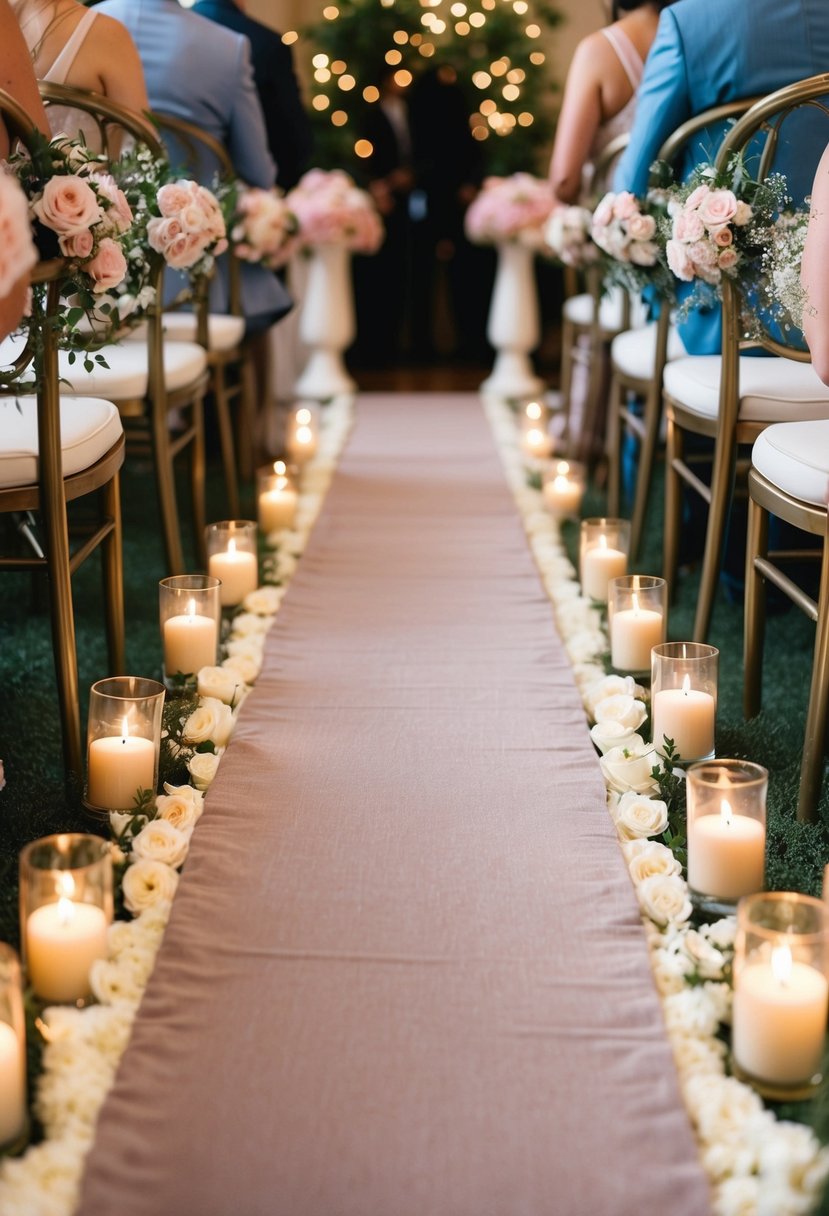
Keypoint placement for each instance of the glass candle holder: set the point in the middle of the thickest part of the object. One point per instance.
(190, 614)
(13, 1112)
(780, 993)
(276, 498)
(726, 832)
(563, 488)
(637, 617)
(684, 697)
(65, 911)
(536, 442)
(231, 558)
(123, 741)
(604, 545)
(302, 435)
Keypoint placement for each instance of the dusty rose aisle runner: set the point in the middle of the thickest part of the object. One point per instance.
(404, 975)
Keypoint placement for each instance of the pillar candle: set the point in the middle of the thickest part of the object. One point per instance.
(277, 506)
(599, 565)
(685, 715)
(633, 634)
(726, 854)
(189, 642)
(63, 940)
(563, 495)
(302, 444)
(238, 570)
(119, 766)
(12, 1085)
(779, 1019)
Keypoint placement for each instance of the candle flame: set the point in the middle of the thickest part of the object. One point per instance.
(303, 434)
(125, 728)
(280, 468)
(686, 684)
(303, 417)
(535, 437)
(66, 910)
(534, 410)
(635, 583)
(191, 609)
(560, 483)
(781, 964)
(602, 541)
(562, 468)
(231, 546)
(635, 601)
(65, 885)
(726, 814)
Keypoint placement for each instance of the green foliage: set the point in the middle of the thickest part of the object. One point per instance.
(671, 784)
(363, 31)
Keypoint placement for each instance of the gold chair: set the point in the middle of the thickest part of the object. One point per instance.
(638, 358)
(730, 398)
(789, 478)
(222, 335)
(54, 450)
(154, 384)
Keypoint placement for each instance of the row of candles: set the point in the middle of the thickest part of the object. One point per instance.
(66, 881)
(781, 966)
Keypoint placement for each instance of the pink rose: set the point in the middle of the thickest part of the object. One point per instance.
(68, 204)
(727, 259)
(119, 214)
(604, 212)
(77, 245)
(695, 198)
(703, 253)
(161, 233)
(109, 266)
(718, 207)
(625, 206)
(743, 214)
(192, 218)
(688, 226)
(641, 227)
(722, 236)
(17, 251)
(643, 253)
(174, 197)
(679, 261)
(184, 251)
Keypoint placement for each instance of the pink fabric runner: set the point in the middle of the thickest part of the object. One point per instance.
(405, 974)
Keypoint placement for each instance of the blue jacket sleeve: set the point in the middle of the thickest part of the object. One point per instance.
(662, 104)
(247, 139)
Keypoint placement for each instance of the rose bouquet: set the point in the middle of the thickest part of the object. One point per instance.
(569, 236)
(263, 227)
(781, 290)
(331, 210)
(628, 230)
(514, 208)
(17, 249)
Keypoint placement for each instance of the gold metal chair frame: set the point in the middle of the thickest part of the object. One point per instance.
(146, 419)
(766, 116)
(623, 418)
(234, 363)
(766, 499)
(50, 496)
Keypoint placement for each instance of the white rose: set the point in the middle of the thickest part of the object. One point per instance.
(607, 735)
(721, 1106)
(664, 898)
(621, 708)
(148, 883)
(636, 816)
(251, 647)
(585, 644)
(202, 768)
(694, 1055)
(181, 805)
(611, 686)
(670, 971)
(107, 1030)
(219, 683)
(160, 840)
(647, 857)
(249, 624)
(707, 959)
(244, 665)
(151, 923)
(691, 1012)
(738, 1197)
(264, 601)
(630, 768)
(286, 565)
(114, 983)
(721, 933)
(119, 821)
(212, 721)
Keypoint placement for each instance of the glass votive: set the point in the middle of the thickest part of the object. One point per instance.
(302, 434)
(123, 741)
(231, 558)
(190, 614)
(65, 911)
(726, 832)
(637, 617)
(780, 993)
(604, 545)
(536, 442)
(276, 498)
(684, 697)
(13, 1112)
(563, 488)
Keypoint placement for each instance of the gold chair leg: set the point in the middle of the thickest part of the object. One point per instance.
(722, 485)
(757, 545)
(811, 768)
(246, 418)
(220, 396)
(112, 559)
(651, 421)
(56, 544)
(673, 506)
(568, 338)
(615, 405)
(197, 463)
(165, 483)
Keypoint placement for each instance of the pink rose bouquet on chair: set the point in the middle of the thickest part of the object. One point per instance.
(569, 236)
(629, 231)
(514, 208)
(189, 226)
(331, 210)
(263, 227)
(17, 248)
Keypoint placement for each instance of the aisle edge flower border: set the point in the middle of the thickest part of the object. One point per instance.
(755, 1163)
(84, 1046)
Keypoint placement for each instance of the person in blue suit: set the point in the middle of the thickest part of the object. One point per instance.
(287, 123)
(707, 52)
(201, 72)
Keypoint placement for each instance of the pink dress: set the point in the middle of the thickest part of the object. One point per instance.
(633, 66)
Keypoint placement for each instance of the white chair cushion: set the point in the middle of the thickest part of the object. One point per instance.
(794, 456)
(633, 353)
(126, 376)
(579, 310)
(224, 331)
(771, 390)
(89, 427)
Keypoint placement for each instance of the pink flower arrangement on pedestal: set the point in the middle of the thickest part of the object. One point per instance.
(705, 228)
(190, 224)
(331, 210)
(263, 228)
(514, 208)
(624, 230)
(17, 249)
